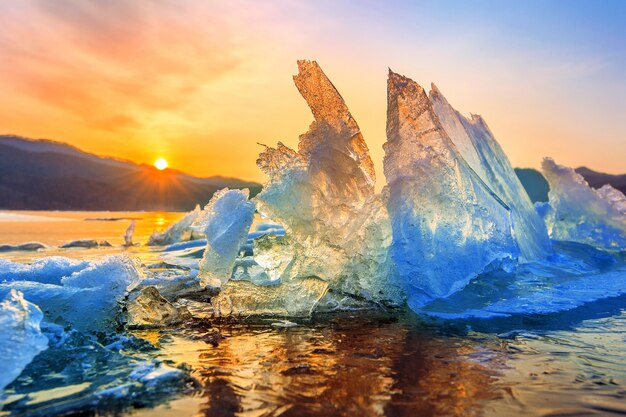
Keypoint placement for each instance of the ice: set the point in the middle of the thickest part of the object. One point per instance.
(147, 308)
(323, 194)
(20, 336)
(581, 213)
(48, 270)
(614, 196)
(225, 221)
(82, 243)
(28, 246)
(296, 298)
(448, 226)
(177, 232)
(89, 299)
(128, 234)
(481, 151)
(576, 275)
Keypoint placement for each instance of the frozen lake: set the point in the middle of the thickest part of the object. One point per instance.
(375, 362)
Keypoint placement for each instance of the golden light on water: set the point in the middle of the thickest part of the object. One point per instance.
(160, 164)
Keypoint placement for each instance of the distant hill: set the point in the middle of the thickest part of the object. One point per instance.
(537, 186)
(534, 182)
(598, 179)
(48, 175)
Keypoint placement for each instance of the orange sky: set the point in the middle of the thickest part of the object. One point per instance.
(200, 83)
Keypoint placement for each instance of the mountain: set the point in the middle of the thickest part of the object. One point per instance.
(48, 175)
(534, 183)
(537, 187)
(598, 179)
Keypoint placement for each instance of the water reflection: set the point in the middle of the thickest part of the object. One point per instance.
(349, 366)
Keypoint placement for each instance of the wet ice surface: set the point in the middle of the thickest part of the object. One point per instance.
(348, 365)
(359, 363)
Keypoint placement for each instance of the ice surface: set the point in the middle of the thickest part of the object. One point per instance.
(323, 194)
(581, 213)
(225, 221)
(481, 151)
(448, 226)
(20, 336)
(576, 275)
(147, 308)
(87, 300)
(179, 231)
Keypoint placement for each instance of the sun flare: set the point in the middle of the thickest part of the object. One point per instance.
(160, 164)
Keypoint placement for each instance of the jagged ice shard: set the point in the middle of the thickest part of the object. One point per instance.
(324, 196)
(225, 221)
(483, 153)
(20, 336)
(582, 214)
(448, 225)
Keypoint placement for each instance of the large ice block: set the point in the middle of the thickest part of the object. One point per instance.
(581, 213)
(225, 221)
(483, 153)
(323, 194)
(20, 336)
(448, 225)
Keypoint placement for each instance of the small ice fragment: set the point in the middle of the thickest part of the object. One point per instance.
(177, 232)
(147, 308)
(128, 234)
(284, 324)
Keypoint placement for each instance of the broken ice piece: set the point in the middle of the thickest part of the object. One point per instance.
(147, 308)
(225, 221)
(296, 298)
(582, 214)
(20, 336)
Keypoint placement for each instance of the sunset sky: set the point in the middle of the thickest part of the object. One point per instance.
(201, 82)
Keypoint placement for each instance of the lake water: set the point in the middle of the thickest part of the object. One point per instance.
(367, 363)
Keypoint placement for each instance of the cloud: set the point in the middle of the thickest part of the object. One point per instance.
(110, 63)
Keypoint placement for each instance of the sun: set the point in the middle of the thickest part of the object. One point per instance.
(160, 164)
